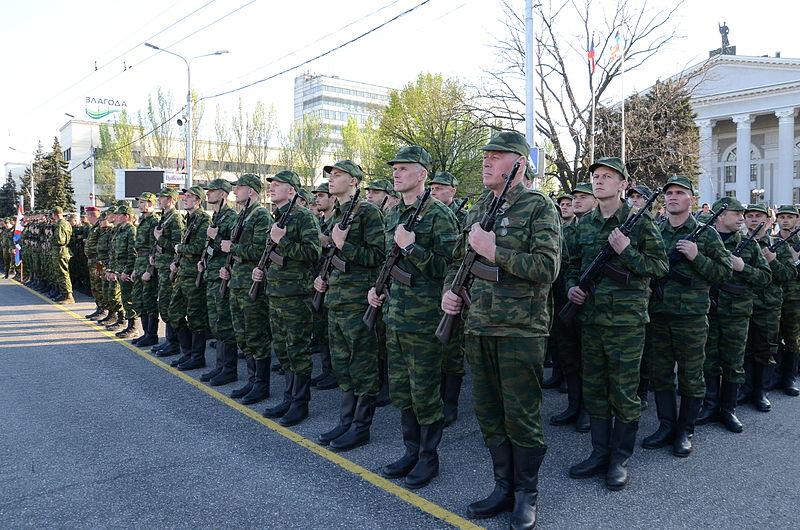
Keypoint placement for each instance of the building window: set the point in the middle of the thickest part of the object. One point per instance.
(730, 193)
(68, 154)
(730, 174)
(796, 196)
(753, 172)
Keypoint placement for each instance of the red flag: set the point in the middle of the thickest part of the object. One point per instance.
(590, 56)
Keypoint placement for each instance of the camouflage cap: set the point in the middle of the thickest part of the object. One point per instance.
(732, 204)
(758, 207)
(147, 196)
(380, 185)
(683, 182)
(348, 166)
(584, 187)
(445, 178)
(641, 189)
(289, 177)
(563, 195)
(788, 208)
(413, 153)
(251, 181)
(306, 196)
(103, 214)
(58, 210)
(218, 184)
(508, 141)
(612, 162)
(172, 193)
(195, 190)
(125, 209)
(322, 187)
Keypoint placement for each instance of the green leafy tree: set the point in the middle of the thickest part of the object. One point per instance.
(361, 145)
(116, 150)
(55, 186)
(8, 197)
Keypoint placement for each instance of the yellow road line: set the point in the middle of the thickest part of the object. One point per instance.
(348, 465)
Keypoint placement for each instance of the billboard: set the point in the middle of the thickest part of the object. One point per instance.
(103, 109)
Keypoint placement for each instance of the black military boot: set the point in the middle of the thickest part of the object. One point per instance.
(411, 440)
(427, 466)
(101, 314)
(597, 462)
(727, 409)
(150, 337)
(347, 408)
(91, 316)
(573, 409)
(666, 408)
(710, 409)
(326, 380)
(745, 394)
(583, 423)
(358, 433)
(242, 391)
(168, 331)
(129, 331)
(761, 374)
(185, 342)
(230, 372)
(642, 391)
(173, 344)
(527, 462)
(198, 358)
(301, 395)
(118, 324)
(260, 390)
(788, 382)
(555, 379)
(218, 364)
(501, 499)
(682, 445)
(110, 317)
(623, 439)
(451, 390)
(279, 410)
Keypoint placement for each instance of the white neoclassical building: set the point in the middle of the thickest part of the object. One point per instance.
(747, 111)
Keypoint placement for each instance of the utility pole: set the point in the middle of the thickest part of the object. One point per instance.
(530, 94)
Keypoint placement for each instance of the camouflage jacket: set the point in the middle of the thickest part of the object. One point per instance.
(104, 244)
(755, 275)
(90, 247)
(461, 215)
(363, 251)
(172, 226)
(416, 308)
(791, 288)
(253, 240)
(62, 235)
(528, 254)
(193, 240)
(123, 255)
(770, 298)
(301, 250)
(225, 221)
(711, 265)
(644, 258)
(143, 244)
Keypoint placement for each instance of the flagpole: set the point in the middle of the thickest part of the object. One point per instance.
(622, 94)
(591, 89)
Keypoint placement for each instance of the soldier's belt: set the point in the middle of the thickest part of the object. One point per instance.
(732, 288)
(339, 263)
(401, 276)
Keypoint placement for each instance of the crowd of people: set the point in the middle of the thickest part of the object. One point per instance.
(700, 308)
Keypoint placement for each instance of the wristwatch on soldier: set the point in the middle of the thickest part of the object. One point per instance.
(406, 251)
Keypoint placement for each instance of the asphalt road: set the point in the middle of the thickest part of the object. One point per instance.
(94, 435)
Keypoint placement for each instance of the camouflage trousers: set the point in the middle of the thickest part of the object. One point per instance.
(506, 388)
(164, 292)
(96, 284)
(415, 374)
(126, 295)
(677, 340)
(251, 322)
(763, 336)
(790, 325)
(453, 352)
(187, 307)
(219, 312)
(145, 295)
(727, 336)
(568, 346)
(61, 270)
(112, 296)
(291, 320)
(320, 327)
(354, 351)
(611, 361)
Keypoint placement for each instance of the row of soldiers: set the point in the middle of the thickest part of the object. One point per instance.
(256, 281)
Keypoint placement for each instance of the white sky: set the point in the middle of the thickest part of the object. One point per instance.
(49, 45)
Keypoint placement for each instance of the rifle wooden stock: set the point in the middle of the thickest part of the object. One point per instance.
(235, 236)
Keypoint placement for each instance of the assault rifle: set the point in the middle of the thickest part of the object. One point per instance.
(186, 235)
(151, 269)
(235, 236)
(270, 255)
(733, 288)
(204, 256)
(461, 206)
(780, 242)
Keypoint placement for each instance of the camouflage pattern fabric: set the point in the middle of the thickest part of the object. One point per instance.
(144, 294)
(62, 233)
(220, 321)
(187, 307)
(123, 258)
(415, 367)
(172, 227)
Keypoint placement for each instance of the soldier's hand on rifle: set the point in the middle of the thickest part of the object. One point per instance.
(737, 263)
(224, 273)
(482, 242)
(338, 236)
(200, 266)
(146, 277)
(125, 277)
(403, 237)
(276, 233)
(320, 285)
(151, 260)
(768, 254)
(618, 241)
(112, 277)
(211, 232)
(451, 303)
(373, 299)
(157, 232)
(257, 275)
(687, 248)
(173, 267)
(576, 296)
(225, 245)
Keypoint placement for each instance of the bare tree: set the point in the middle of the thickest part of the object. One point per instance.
(263, 127)
(222, 142)
(158, 119)
(303, 147)
(240, 127)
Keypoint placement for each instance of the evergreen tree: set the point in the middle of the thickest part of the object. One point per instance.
(54, 188)
(8, 197)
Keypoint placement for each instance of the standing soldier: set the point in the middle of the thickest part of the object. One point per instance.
(326, 380)
(564, 203)
(94, 217)
(219, 310)
(167, 234)
(103, 245)
(6, 233)
(412, 313)
(378, 192)
(62, 233)
(250, 317)
(289, 286)
(788, 217)
(145, 285)
(613, 320)
(111, 285)
(729, 318)
(187, 307)
(507, 327)
(359, 253)
(122, 264)
(678, 326)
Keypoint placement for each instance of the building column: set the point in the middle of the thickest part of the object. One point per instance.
(782, 194)
(708, 179)
(743, 122)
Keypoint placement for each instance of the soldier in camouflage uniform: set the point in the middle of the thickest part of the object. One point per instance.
(101, 260)
(168, 234)
(359, 253)
(123, 259)
(729, 318)
(111, 291)
(507, 327)
(412, 313)
(7, 244)
(763, 334)
(61, 235)
(90, 252)
(188, 313)
(788, 217)
(145, 285)
(613, 320)
(250, 317)
(678, 326)
(289, 287)
(219, 310)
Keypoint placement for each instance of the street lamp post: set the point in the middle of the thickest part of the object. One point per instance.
(188, 63)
